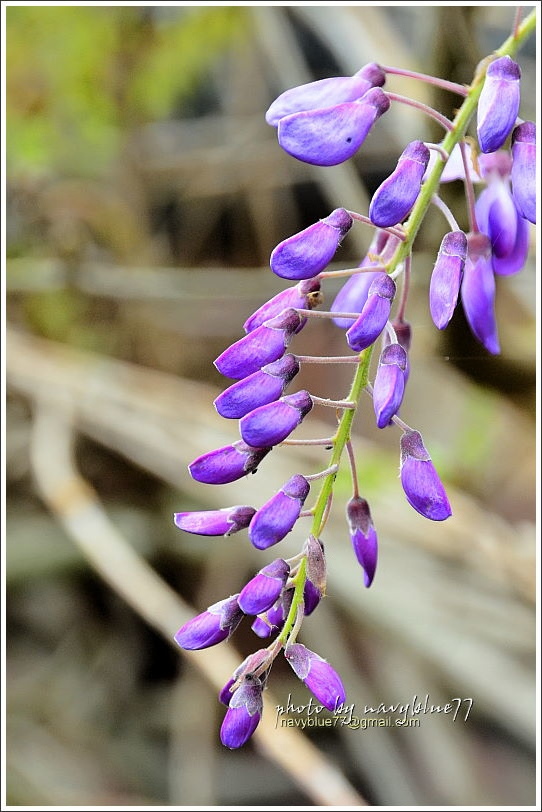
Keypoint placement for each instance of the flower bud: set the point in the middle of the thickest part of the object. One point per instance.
(389, 385)
(330, 135)
(264, 589)
(274, 520)
(363, 536)
(524, 169)
(210, 627)
(270, 424)
(272, 621)
(222, 522)
(317, 674)
(311, 597)
(247, 667)
(263, 345)
(498, 106)
(352, 296)
(478, 293)
(305, 254)
(316, 563)
(420, 481)
(395, 197)
(243, 714)
(446, 278)
(374, 313)
(325, 93)
(306, 294)
(498, 218)
(227, 464)
(263, 386)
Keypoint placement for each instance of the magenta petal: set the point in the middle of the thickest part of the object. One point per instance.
(328, 136)
(305, 254)
(421, 484)
(498, 105)
(325, 93)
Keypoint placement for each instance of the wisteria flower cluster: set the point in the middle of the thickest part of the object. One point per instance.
(325, 123)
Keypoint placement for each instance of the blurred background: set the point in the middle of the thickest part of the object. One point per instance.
(145, 193)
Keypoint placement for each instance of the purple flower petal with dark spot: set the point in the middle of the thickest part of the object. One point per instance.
(274, 520)
(305, 254)
(420, 481)
(270, 424)
(498, 105)
(222, 522)
(330, 135)
(227, 464)
(395, 197)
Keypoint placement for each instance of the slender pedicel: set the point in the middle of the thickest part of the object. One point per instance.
(453, 87)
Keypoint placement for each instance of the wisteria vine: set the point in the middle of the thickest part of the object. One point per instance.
(325, 123)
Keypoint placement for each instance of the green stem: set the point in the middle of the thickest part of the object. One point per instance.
(361, 378)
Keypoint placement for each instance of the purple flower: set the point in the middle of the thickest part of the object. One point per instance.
(325, 93)
(330, 135)
(317, 674)
(498, 106)
(263, 386)
(264, 589)
(311, 597)
(363, 536)
(524, 169)
(222, 522)
(249, 665)
(316, 563)
(305, 254)
(446, 278)
(267, 623)
(243, 714)
(263, 345)
(374, 313)
(498, 218)
(210, 627)
(420, 481)
(389, 385)
(306, 294)
(478, 293)
(270, 424)
(227, 464)
(395, 197)
(274, 520)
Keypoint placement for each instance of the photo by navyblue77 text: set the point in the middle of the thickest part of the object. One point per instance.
(324, 123)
